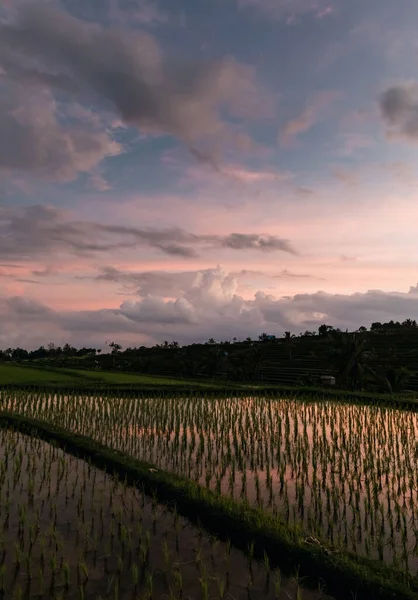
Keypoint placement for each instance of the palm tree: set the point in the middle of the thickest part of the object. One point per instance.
(350, 358)
(288, 338)
(397, 378)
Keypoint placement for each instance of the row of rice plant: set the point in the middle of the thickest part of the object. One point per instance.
(347, 473)
(69, 530)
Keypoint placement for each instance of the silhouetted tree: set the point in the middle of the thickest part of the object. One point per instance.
(19, 354)
(288, 338)
(213, 361)
(397, 377)
(350, 357)
(116, 348)
(323, 330)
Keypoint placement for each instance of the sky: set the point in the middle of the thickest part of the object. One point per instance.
(205, 168)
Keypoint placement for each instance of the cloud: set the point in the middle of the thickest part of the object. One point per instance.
(353, 141)
(265, 243)
(288, 9)
(153, 283)
(126, 71)
(204, 304)
(344, 176)
(399, 110)
(41, 230)
(303, 191)
(145, 12)
(31, 281)
(28, 309)
(313, 112)
(287, 274)
(174, 284)
(33, 139)
(249, 176)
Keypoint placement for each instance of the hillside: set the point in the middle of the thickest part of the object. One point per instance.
(285, 361)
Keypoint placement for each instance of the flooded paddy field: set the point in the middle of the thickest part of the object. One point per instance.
(345, 473)
(71, 531)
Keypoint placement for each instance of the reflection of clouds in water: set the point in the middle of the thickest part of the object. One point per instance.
(334, 466)
(86, 516)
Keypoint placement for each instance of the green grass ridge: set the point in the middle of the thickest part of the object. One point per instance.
(345, 573)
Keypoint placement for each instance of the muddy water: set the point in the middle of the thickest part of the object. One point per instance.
(72, 531)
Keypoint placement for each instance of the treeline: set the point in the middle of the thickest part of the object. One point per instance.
(50, 351)
(69, 351)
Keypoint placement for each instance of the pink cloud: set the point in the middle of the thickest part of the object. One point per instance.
(312, 114)
(210, 304)
(253, 176)
(329, 10)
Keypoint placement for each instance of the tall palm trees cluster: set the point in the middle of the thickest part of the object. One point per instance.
(352, 358)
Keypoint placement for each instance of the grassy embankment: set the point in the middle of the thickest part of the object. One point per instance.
(347, 576)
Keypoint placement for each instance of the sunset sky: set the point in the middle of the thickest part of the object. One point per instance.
(180, 170)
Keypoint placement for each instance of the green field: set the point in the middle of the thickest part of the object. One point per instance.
(40, 375)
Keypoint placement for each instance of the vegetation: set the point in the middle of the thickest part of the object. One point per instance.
(70, 530)
(341, 475)
(382, 360)
(47, 375)
(328, 486)
(262, 535)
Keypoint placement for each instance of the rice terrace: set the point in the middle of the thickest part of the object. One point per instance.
(206, 493)
(208, 300)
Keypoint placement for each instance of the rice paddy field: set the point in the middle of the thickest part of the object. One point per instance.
(344, 475)
(70, 530)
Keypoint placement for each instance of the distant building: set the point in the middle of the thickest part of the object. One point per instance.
(328, 380)
(271, 337)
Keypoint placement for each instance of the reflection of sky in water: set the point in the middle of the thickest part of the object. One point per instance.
(77, 512)
(342, 470)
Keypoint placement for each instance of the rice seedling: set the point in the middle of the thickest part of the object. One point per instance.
(57, 540)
